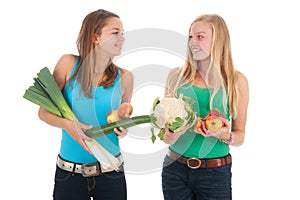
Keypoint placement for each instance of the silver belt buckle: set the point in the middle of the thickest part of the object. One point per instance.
(89, 170)
(193, 163)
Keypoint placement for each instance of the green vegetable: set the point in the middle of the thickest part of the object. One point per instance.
(125, 123)
(46, 93)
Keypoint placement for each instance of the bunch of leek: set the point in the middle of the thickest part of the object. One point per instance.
(46, 93)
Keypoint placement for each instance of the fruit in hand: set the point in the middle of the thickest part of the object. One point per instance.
(213, 121)
(112, 116)
(198, 125)
(123, 110)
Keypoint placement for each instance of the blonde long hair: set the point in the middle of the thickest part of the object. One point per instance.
(221, 74)
(91, 25)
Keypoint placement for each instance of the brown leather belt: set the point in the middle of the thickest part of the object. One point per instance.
(195, 163)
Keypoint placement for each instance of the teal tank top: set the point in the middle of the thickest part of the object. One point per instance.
(90, 111)
(191, 144)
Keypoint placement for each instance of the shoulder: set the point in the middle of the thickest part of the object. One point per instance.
(176, 70)
(66, 61)
(65, 64)
(242, 84)
(241, 78)
(63, 68)
(126, 73)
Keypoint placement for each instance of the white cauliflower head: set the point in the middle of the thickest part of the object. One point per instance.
(168, 109)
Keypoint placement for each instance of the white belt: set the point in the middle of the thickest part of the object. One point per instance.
(91, 169)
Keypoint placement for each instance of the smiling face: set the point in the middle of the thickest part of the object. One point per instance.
(200, 40)
(111, 40)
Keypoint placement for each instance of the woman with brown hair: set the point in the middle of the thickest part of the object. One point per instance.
(92, 86)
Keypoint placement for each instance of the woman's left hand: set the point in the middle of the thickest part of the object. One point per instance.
(221, 134)
(121, 132)
(124, 111)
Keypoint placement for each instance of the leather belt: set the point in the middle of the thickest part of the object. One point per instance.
(87, 170)
(195, 163)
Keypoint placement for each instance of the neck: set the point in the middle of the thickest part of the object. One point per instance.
(101, 63)
(203, 65)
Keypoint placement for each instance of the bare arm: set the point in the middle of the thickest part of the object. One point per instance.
(168, 90)
(127, 85)
(61, 73)
(239, 123)
(127, 90)
(169, 137)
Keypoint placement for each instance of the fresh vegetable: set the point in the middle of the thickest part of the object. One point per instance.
(46, 93)
(125, 123)
(173, 113)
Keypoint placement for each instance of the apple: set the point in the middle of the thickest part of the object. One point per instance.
(213, 120)
(125, 109)
(213, 123)
(198, 124)
(112, 116)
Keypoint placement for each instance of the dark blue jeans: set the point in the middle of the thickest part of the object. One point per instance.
(106, 186)
(179, 182)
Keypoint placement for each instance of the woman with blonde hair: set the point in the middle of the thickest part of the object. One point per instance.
(198, 163)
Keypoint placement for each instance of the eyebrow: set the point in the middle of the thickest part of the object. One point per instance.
(200, 32)
(116, 29)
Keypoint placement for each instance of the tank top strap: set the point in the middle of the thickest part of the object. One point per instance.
(74, 67)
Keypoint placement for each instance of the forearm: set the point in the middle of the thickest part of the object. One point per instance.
(233, 138)
(52, 119)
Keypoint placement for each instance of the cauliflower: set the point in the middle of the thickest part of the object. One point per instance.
(173, 113)
(167, 110)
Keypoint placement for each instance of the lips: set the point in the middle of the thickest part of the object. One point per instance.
(195, 49)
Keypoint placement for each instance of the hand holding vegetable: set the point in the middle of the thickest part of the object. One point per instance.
(124, 111)
(171, 137)
(175, 115)
(75, 129)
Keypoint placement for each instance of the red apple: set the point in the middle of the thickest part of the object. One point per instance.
(112, 116)
(198, 124)
(125, 109)
(213, 123)
(213, 120)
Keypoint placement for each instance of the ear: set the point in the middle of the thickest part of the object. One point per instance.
(96, 39)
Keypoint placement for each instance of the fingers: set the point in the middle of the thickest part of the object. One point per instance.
(121, 132)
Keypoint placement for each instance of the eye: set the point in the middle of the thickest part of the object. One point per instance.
(200, 37)
(190, 36)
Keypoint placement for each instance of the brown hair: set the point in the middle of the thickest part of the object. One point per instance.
(92, 24)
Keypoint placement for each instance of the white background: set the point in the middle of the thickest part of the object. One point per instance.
(265, 45)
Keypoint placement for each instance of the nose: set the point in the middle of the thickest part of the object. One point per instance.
(121, 38)
(192, 40)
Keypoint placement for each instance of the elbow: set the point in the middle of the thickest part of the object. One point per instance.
(41, 112)
(239, 140)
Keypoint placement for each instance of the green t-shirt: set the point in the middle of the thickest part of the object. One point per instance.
(191, 144)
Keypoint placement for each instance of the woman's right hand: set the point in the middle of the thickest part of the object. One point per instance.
(171, 137)
(75, 129)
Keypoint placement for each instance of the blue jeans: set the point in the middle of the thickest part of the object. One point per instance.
(179, 182)
(73, 186)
